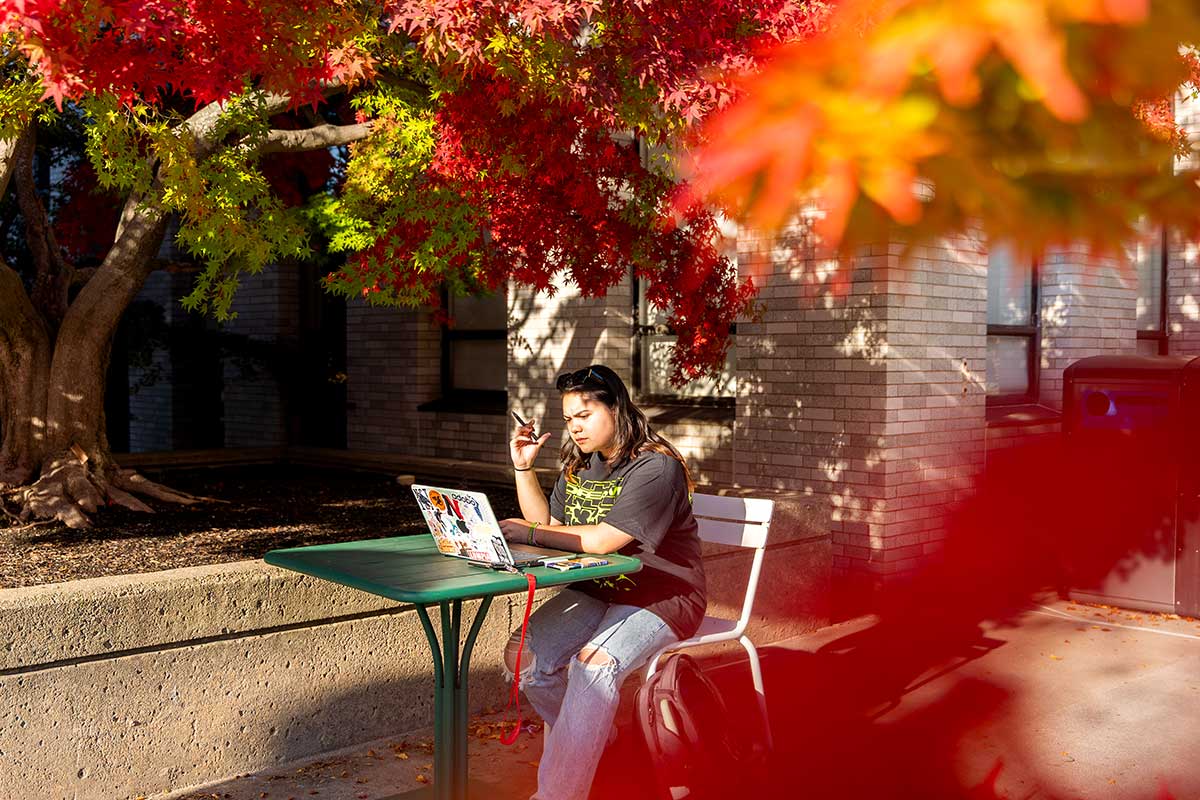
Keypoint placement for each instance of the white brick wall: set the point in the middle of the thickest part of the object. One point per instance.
(862, 387)
(1088, 308)
(1183, 296)
(1183, 261)
(551, 334)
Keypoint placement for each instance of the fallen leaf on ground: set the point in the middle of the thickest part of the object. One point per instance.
(422, 779)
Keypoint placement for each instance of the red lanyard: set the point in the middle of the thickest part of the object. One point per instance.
(514, 696)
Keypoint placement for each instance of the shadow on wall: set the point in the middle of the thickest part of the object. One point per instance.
(549, 335)
(862, 388)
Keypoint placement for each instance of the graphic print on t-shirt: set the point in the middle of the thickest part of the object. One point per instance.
(588, 502)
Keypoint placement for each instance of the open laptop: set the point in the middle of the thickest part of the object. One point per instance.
(463, 525)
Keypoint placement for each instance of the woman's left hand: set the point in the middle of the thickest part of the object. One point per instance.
(515, 530)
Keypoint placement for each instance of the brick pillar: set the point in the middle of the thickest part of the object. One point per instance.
(1183, 259)
(934, 410)
(862, 388)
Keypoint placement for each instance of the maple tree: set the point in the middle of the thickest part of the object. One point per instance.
(488, 141)
(525, 140)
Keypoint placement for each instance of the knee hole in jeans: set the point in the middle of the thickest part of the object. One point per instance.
(528, 659)
(594, 657)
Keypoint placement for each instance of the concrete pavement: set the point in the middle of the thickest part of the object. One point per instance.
(1061, 700)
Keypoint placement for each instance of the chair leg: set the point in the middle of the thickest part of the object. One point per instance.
(756, 675)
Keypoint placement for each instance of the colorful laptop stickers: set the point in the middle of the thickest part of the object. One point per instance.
(462, 524)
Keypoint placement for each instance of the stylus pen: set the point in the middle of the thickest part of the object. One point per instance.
(523, 423)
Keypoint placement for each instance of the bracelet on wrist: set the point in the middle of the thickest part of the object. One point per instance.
(522, 469)
(531, 539)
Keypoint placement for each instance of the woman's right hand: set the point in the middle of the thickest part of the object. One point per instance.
(524, 448)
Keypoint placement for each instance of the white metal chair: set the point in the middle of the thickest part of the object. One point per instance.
(742, 522)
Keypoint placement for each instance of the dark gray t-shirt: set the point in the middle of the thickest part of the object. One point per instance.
(648, 499)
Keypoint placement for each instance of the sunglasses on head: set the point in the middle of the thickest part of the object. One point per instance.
(574, 380)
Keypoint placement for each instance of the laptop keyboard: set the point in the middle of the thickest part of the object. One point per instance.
(533, 552)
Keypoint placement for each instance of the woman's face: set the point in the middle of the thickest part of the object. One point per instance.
(590, 423)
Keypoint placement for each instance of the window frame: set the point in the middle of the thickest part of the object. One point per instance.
(477, 401)
(1033, 333)
(637, 341)
(1161, 333)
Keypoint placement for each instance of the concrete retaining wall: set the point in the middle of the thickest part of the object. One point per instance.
(140, 685)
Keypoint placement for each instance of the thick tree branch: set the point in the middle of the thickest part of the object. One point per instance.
(54, 275)
(315, 138)
(15, 308)
(203, 124)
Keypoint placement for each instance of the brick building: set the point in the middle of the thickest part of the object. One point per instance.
(867, 396)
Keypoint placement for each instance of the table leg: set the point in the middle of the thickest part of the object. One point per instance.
(450, 701)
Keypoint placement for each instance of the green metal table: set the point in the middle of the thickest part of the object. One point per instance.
(410, 569)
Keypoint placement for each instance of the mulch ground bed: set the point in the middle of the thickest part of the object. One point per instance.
(263, 508)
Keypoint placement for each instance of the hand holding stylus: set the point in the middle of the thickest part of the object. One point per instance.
(525, 444)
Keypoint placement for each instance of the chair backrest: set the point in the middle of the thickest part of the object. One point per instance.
(738, 521)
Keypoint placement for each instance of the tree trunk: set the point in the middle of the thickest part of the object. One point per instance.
(54, 357)
(24, 380)
(54, 421)
(75, 402)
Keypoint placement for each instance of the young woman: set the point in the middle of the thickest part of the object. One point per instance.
(623, 489)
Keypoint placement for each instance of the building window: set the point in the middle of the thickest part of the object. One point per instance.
(1012, 328)
(653, 340)
(653, 337)
(1150, 261)
(474, 350)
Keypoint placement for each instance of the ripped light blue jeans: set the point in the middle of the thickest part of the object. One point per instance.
(578, 651)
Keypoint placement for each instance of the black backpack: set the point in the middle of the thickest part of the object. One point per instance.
(685, 728)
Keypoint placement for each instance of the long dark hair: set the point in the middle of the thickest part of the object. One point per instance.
(634, 435)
